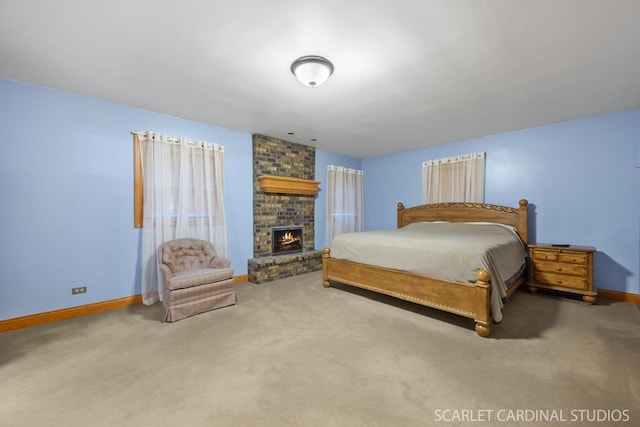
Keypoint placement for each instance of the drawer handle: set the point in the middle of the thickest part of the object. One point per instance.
(559, 268)
(559, 282)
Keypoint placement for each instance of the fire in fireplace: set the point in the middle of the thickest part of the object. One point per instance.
(286, 239)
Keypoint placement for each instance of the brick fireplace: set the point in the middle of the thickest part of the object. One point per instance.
(274, 210)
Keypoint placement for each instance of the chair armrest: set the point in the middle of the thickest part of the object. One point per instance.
(220, 262)
(166, 272)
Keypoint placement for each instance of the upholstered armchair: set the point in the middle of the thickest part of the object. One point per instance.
(194, 278)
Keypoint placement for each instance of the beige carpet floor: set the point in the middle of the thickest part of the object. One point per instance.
(292, 353)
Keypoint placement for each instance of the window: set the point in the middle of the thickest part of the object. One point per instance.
(454, 179)
(344, 201)
(186, 174)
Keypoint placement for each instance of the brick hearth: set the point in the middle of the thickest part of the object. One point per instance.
(270, 268)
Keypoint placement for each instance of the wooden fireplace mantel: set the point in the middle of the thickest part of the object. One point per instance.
(286, 185)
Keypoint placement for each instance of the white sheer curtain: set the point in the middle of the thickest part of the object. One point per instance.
(183, 194)
(345, 208)
(454, 179)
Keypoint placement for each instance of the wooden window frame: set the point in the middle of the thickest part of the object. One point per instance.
(138, 186)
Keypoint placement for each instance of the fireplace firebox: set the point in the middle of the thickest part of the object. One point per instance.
(286, 240)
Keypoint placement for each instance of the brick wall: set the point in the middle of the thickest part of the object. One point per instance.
(272, 156)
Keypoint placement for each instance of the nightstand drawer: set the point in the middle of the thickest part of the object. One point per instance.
(556, 267)
(544, 255)
(552, 279)
(574, 258)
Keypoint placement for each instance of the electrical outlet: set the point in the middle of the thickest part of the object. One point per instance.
(80, 290)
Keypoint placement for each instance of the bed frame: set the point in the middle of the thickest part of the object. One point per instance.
(466, 299)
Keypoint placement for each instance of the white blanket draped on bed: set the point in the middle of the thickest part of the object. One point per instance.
(442, 250)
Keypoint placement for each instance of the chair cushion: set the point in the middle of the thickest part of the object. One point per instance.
(200, 276)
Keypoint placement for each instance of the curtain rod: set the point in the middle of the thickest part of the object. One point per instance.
(170, 138)
(174, 139)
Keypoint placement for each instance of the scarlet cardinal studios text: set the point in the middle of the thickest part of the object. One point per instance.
(532, 415)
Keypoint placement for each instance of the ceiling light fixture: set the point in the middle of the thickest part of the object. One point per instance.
(312, 70)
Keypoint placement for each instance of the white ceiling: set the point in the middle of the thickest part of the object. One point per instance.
(408, 73)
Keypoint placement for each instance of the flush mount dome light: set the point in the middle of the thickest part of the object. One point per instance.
(312, 70)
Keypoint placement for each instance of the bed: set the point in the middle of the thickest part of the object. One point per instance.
(469, 299)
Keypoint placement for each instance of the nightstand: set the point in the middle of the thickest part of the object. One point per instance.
(562, 268)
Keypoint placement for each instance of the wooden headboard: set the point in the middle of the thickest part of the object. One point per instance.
(467, 212)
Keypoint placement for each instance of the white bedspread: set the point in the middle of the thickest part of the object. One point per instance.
(447, 251)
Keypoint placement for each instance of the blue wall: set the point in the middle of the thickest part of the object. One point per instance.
(66, 184)
(580, 176)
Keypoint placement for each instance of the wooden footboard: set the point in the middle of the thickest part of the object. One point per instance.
(466, 299)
